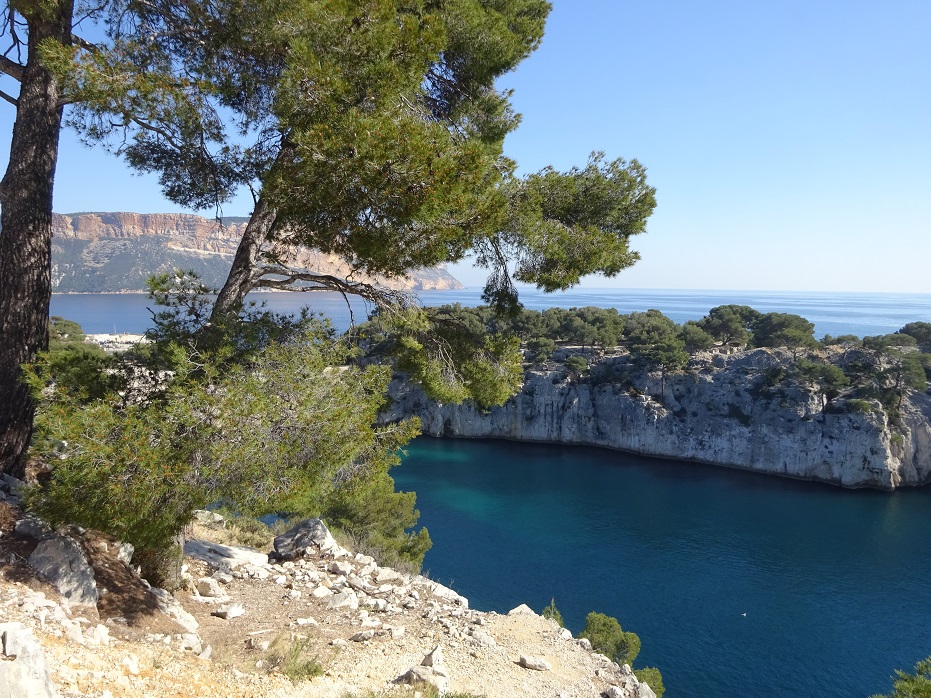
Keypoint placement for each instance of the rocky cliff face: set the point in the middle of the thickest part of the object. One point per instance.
(719, 412)
(108, 252)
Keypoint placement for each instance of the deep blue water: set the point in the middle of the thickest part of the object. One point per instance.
(833, 313)
(835, 584)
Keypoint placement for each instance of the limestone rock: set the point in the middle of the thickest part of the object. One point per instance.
(536, 663)
(448, 594)
(523, 609)
(482, 638)
(210, 587)
(644, 691)
(131, 664)
(181, 241)
(224, 556)
(426, 675)
(434, 657)
(386, 574)
(342, 567)
(207, 517)
(712, 414)
(32, 526)
(125, 553)
(343, 599)
(62, 562)
(230, 611)
(312, 532)
(169, 605)
(24, 672)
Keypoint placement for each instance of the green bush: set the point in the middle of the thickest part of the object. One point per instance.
(377, 519)
(652, 677)
(289, 655)
(541, 349)
(577, 364)
(861, 406)
(280, 431)
(553, 613)
(917, 685)
(607, 637)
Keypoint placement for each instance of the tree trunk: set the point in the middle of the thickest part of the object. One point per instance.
(26, 233)
(243, 273)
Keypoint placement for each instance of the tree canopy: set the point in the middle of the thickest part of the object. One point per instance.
(370, 129)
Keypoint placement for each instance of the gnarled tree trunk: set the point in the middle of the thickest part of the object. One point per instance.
(244, 272)
(26, 234)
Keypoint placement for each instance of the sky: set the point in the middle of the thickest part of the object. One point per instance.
(789, 140)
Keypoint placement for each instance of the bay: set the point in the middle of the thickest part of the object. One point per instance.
(738, 584)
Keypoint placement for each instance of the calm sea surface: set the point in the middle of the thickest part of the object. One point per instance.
(832, 313)
(835, 584)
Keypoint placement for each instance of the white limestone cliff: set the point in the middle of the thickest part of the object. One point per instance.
(714, 413)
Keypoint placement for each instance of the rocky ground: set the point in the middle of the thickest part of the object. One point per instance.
(314, 620)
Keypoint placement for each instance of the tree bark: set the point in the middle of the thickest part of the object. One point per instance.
(244, 272)
(26, 233)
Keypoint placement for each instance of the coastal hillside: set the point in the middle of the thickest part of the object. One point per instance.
(304, 617)
(117, 252)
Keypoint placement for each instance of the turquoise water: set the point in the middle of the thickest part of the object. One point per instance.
(835, 584)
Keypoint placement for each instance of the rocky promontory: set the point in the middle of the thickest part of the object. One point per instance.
(724, 409)
(117, 252)
(301, 617)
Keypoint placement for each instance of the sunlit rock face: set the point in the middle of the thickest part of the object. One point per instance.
(718, 412)
(113, 252)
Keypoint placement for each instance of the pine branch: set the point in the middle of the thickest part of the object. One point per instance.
(11, 68)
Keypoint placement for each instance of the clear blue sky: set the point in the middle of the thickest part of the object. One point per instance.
(789, 140)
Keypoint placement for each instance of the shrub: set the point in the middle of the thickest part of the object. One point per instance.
(577, 364)
(377, 519)
(541, 349)
(652, 677)
(553, 613)
(607, 637)
(917, 685)
(267, 435)
(289, 656)
(861, 406)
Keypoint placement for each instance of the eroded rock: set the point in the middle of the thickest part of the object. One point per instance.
(24, 672)
(62, 561)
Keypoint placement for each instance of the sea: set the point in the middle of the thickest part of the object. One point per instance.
(739, 585)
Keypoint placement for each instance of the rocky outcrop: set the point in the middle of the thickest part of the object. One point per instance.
(367, 628)
(110, 252)
(720, 411)
(23, 669)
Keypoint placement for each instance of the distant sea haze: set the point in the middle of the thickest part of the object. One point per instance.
(832, 313)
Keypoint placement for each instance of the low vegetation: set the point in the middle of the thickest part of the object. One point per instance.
(914, 685)
(608, 638)
(267, 414)
(289, 654)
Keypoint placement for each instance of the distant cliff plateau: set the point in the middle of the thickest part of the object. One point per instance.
(117, 252)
